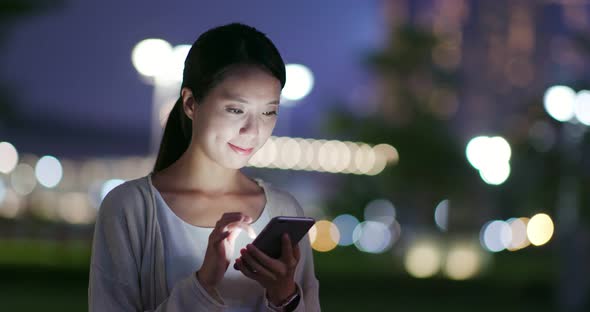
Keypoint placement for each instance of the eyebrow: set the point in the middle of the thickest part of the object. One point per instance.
(232, 97)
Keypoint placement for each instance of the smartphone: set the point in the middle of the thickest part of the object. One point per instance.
(270, 239)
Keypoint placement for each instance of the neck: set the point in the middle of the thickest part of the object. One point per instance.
(195, 171)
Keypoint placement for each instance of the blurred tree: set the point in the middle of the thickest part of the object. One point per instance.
(417, 102)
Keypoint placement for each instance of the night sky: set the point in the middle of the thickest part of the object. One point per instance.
(79, 94)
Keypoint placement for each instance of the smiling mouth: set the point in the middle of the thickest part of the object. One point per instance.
(241, 151)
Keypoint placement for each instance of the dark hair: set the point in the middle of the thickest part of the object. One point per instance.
(210, 58)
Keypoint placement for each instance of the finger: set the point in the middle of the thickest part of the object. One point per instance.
(255, 267)
(264, 259)
(242, 226)
(287, 248)
(244, 269)
(229, 218)
(234, 234)
(251, 232)
(297, 252)
(221, 237)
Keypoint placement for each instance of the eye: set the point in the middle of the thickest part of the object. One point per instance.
(271, 113)
(233, 110)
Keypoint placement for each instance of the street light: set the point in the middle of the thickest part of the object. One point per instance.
(161, 65)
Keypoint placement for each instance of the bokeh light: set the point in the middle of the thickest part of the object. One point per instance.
(149, 56)
(324, 156)
(463, 261)
(559, 102)
(74, 208)
(23, 179)
(290, 153)
(299, 82)
(491, 156)
(496, 235)
(422, 259)
(496, 173)
(8, 157)
(372, 237)
(346, 224)
(324, 236)
(380, 210)
(2, 190)
(390, 153)
(441, 215)
(173, 65)
(518, 226)
(582, 107)
(540, 229)
(48, 171)
(477, 151)
(11, 205)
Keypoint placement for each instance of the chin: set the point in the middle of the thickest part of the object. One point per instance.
(236, 164)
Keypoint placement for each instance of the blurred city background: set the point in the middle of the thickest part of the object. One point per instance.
(442, 145)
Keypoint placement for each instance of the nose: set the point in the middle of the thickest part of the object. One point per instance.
(250, 127)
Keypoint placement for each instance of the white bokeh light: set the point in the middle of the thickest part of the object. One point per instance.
(150, 57)
(299, 82)
(48, 171)
(173, 65)
(500, 148)
(559, 102)
(463, 261)
(8, 157)
(582, 107)
(496, 174)
(496, 236)
(491, 156)
(423, 259)
(372, 237)
(441, 215)
(346, 224)
(477, 151)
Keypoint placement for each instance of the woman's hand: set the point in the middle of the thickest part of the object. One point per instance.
(221, 246)
(276, 275)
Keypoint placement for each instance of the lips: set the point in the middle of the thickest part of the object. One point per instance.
(241, 151)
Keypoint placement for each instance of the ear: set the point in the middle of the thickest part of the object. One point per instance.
(189, 104)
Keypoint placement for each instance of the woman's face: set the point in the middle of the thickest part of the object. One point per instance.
(237, 116)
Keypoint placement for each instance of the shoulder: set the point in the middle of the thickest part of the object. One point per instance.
(283, 202)
(126, 199)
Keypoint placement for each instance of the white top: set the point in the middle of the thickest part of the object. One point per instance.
(184, 251)
(129, 270)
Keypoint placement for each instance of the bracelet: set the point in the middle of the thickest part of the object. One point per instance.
(289, 304)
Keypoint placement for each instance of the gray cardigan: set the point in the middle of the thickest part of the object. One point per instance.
(127, 270)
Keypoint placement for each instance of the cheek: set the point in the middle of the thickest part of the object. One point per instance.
(216, 126)
(266, 129)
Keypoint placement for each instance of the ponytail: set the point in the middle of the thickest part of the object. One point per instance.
(176, 137)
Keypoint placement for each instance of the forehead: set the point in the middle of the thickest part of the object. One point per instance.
(249, 83)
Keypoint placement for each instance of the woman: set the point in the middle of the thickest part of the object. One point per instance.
(176, 240)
